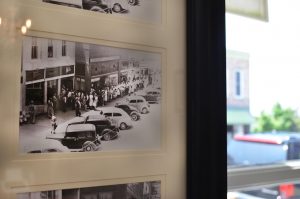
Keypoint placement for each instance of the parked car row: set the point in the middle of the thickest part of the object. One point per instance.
(152, 95)
(103, 123)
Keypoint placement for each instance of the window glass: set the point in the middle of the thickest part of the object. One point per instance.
(238, 83)
(33, 75)
(35, 93)
(263, 74)
(50, 48)
(108, 114)
(34, 48)
(117, 114)
(66, 70)
(123, 107)
(105, 195)
(52, 72)
(64, 48)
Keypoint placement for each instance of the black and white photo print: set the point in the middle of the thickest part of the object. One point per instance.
(148, 11)
(86, 97)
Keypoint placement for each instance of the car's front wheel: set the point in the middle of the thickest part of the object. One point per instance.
(106, 134)
(123, 126)
(133, 2)
(89, 146)
(144, 110)
(134, 117)
(117, 8)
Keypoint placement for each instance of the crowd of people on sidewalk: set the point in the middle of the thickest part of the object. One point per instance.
(78, 100)
(81, 101)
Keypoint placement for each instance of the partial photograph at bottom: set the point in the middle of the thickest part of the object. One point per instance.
(140, 190)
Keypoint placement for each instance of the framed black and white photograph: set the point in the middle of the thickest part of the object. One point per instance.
(79, 97)
(93, 101)
(148, 11)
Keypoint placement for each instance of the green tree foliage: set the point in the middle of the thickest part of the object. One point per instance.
(279, 120)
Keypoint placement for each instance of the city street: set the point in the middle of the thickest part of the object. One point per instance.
(145, 133)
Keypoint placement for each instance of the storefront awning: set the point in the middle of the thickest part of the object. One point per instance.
(239, 116)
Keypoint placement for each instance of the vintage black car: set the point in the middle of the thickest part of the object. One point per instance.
(82, 137)
(130, 110)
(104, 126)
(95, 5)
(152, 96)
(117, 6)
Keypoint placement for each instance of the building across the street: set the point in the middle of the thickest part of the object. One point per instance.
(239, 118)
(51, 66)
(48, 65)
(101, 66)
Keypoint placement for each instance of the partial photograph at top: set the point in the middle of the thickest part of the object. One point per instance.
(148, 11)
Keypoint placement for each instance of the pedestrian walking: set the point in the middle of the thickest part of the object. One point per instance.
(53, 124)
(95, 103)
(77, 107)
(64, 103)
(54, 101)
(83, 103)
(91, 101)
(31, 109)
(105, 97)
(50, 110)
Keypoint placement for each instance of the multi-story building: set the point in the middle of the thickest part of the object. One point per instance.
(101, 66)
(47, 66)
(239, 118)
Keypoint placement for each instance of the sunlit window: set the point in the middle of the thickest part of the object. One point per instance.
(263, 115)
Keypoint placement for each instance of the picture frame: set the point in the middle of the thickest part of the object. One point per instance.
(141, 11)
(138, 55)
(32, 172)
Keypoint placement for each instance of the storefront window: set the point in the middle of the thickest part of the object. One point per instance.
(50, 48)
(64, 48)
(67, 83)
(35, 92)
(52, 72)
(67, 70)
(34, 49)
(106, 195)
(51, 88)
(34, 75)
